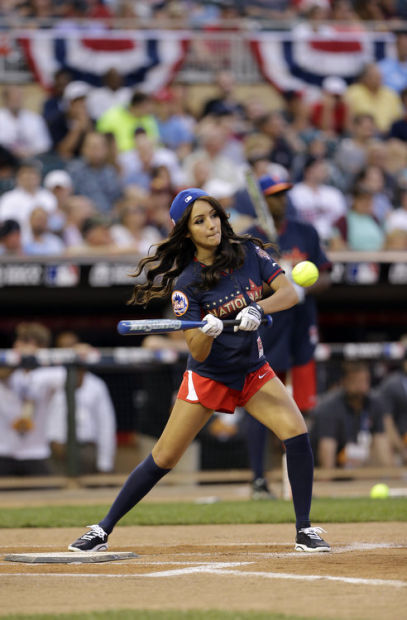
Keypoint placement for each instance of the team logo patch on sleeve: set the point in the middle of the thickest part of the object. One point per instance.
(262, 253)
(180, 303)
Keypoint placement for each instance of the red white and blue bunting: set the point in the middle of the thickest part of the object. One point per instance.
(148, 63)
(291, 63)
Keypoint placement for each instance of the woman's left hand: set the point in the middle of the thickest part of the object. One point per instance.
(250, 318)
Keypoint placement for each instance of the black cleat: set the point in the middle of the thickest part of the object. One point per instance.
(308, 539)
(95, 540)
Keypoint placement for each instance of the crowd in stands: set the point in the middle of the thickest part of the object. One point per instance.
(193, 12)
(94, 170)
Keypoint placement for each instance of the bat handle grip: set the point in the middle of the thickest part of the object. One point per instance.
(267, 321)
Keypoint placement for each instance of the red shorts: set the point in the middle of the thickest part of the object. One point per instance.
(218, 396)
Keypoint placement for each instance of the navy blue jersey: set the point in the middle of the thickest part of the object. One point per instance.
(292, 339)
(233, 354)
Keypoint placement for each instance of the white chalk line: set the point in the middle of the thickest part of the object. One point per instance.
(226, 568)
(351, 580)
(217, 571)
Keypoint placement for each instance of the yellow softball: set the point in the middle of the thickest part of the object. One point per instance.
(380, 491)
(305, 273)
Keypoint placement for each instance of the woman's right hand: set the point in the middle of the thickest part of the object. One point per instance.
(213, 327)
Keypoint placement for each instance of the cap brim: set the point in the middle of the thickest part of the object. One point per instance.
(277, 188)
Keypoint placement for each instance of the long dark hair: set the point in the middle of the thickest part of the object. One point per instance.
(174, 254)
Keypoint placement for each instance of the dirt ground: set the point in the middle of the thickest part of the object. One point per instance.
(234, 567)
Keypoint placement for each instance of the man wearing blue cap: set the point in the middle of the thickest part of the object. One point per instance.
(290, 344)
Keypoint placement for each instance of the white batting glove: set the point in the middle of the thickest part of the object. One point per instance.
(213, 327)
(250, 318)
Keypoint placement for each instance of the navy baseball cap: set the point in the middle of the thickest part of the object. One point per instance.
(183, 200)
(270, 186)
(7, 227)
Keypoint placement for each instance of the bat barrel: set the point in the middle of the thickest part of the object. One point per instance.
(148, 326)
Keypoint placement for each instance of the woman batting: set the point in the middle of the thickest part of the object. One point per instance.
(217, 274)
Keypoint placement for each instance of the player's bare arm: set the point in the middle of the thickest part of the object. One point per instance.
(284, 296)
(199, 344)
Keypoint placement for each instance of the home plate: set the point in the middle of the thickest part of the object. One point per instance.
(69, 557)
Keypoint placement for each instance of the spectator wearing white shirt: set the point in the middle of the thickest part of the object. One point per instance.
(22, 131)
(95, 424)
(18, 203)
(316, 203)
(60, 184)
(10, 412)
(43, 241)
(112, 94)
(27, 436)
(94, 416)
(24, 399)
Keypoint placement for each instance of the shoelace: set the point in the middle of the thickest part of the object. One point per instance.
(313, 532)
(95, 532)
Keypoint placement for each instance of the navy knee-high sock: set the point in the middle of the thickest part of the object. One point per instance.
(300, 467)
(256, 435)
(138, 484)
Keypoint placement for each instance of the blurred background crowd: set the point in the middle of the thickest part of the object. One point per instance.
(93, 169)
(96, 168)
(193, 12)
(90, 170)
